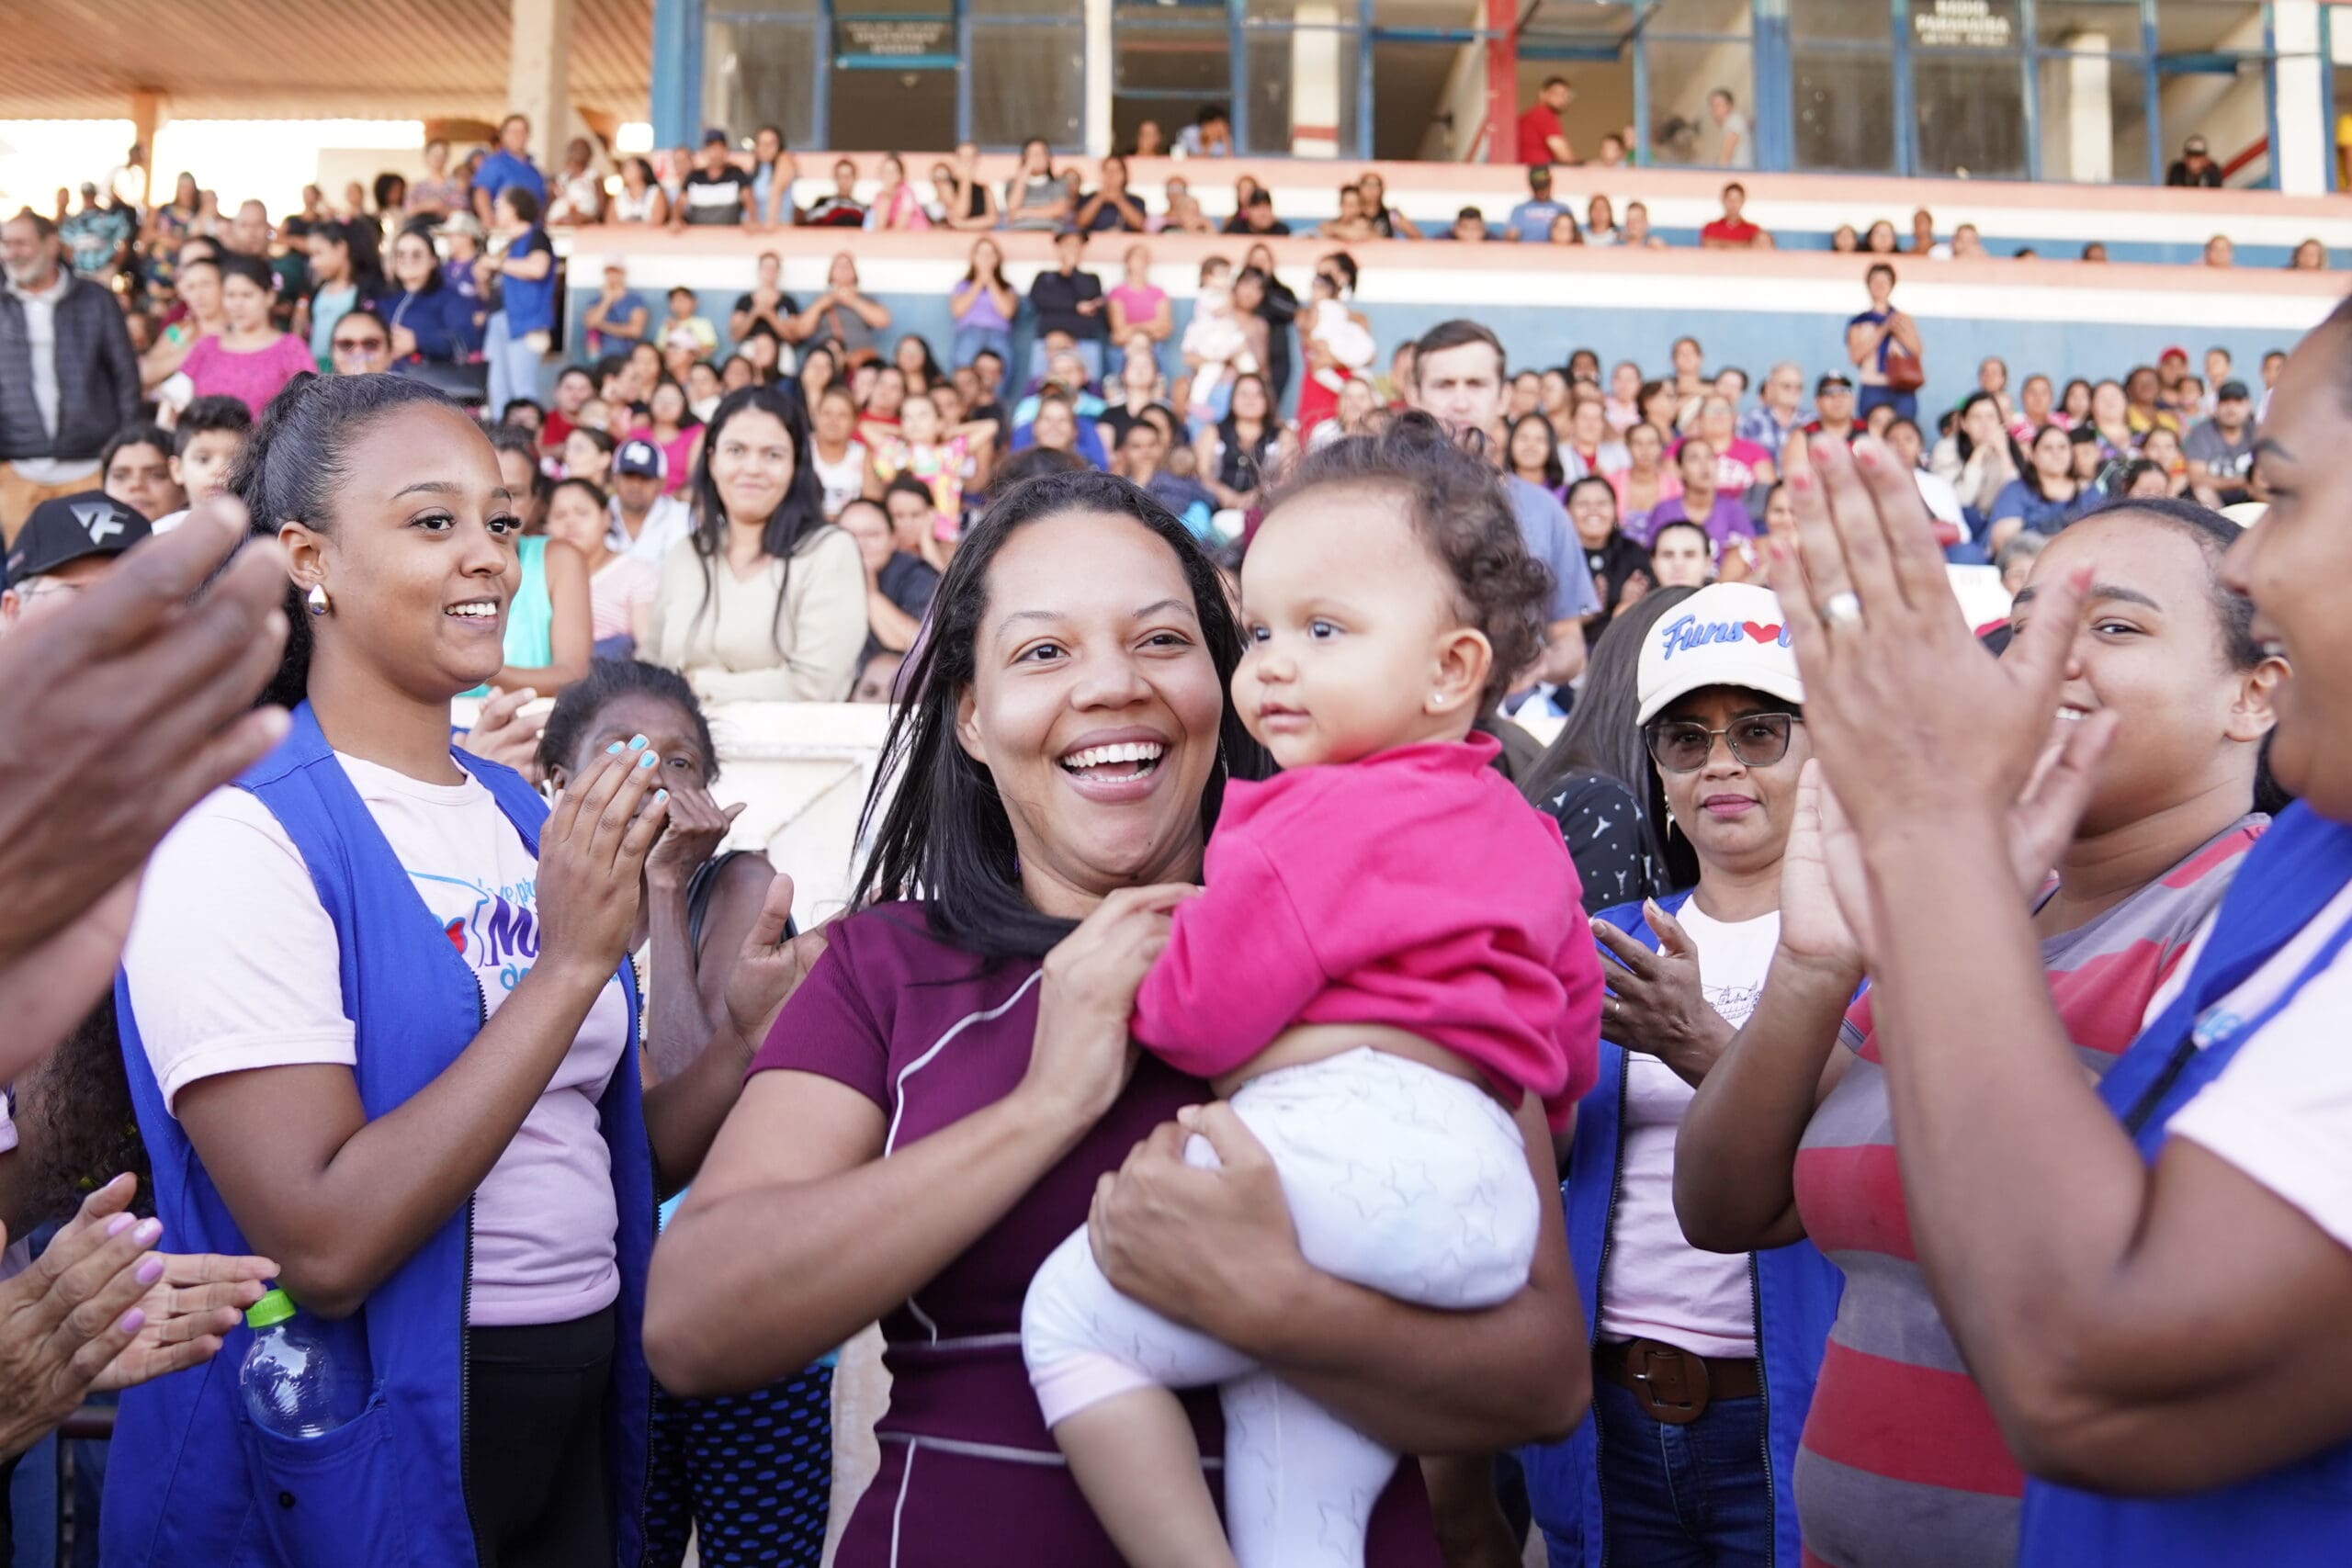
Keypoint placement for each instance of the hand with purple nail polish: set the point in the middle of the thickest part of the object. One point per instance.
(101, 1309)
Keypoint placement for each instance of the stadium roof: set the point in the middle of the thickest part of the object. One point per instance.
(302, 59)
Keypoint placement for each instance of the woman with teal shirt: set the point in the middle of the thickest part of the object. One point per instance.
(549, 635)
(2167, 1351)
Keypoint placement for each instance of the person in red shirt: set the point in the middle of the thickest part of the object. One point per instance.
(1732, 232)
(1541, 140)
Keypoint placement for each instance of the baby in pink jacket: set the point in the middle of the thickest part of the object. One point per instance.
(1388, 958)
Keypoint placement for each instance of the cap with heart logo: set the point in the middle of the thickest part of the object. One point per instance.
(1727, 634)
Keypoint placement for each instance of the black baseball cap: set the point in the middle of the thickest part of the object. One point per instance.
(68, 528)
(2230, 391)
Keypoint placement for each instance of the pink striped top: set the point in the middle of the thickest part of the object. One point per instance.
(1901, 1459)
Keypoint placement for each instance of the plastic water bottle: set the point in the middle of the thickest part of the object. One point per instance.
(297, 1384)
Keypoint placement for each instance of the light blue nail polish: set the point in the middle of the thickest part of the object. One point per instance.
(637, 743)
(614, 750)
(660, 795)
(648, 760)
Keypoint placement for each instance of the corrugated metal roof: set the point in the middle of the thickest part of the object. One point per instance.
(300, 59)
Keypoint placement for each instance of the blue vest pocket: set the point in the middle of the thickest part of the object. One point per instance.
(330, 1500)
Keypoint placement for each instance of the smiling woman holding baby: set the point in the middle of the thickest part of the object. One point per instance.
(946, 1098)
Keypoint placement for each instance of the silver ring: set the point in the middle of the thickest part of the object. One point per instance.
(1843, 608)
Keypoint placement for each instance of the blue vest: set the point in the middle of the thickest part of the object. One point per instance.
(2299, 1515)
(194, 1483)
(1796, 1292)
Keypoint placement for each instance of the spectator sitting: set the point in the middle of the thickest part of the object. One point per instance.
(1564, 230)
(1470, 225)
(1530, 221)
(207, 443)
(2194, 167)
(361, 344)
(1942, 502)
(1209, 136)
(1036, 199)
(645, 522)
(580, 193)
(1923, 237)
(1058, 427)
(587, 454)
(685, 335)
(1216, 344)
(1967, 244)
(1612, 151)
(1833, 407)
(1353, 225)
(2220, 252)
(641, 198)
(1114, 207)
(714, 191)
(69, 542)
(429, 322)
(1682, 556)
(1065, 379)
(837, 208)
(1732, 232)
(1723, 516)
(1388, 221)
(2044, 497)
(1150, 140)
(767, 309)
(621, 584)
(135, 468)
(1635, 232)
(895, 206)
(253, 360)
(1256, 215)
(1183, 215)
(2310, 256)
(2220, 452)
(908, 575)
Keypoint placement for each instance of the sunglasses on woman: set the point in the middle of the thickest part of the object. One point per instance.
(1683, 746)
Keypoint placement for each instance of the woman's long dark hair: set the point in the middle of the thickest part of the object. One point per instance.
(1601, 737)
(291, 467)
(798, 515)
(939, 830)
(1555, 474)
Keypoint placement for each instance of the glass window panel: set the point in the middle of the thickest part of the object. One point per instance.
(1581, 19)
(1705, 16)
(1429, 14)
(762, 8)
(761, 72)
(1028, 81)
(1173, 60)
(2197, 26)
(1863, 21)
(893, 108)
(910, 8)
(1301, 13)
(1058, 10)
(1971, 115)
(2094, 119)
(1300, 86)
(1683, 73)
(2065, 24)
(1966, 24)
(1843, 103)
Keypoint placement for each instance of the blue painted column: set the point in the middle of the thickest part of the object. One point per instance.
(678, 72)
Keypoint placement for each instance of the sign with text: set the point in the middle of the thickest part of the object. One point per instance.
(1964, 24)
(902, 42)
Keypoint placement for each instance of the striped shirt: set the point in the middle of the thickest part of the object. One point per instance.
(1901, 1461)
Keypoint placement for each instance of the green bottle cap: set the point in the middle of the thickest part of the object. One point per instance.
(274, 1306)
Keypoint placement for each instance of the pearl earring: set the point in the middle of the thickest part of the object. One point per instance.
(315, 601)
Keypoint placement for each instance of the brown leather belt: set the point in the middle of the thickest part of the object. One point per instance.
(1671, 1383)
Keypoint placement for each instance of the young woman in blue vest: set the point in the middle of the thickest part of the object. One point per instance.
(1702, 1363)
(379, 1026)
(2166, 1349)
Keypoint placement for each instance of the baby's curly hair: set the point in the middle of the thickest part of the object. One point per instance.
(1459, 506)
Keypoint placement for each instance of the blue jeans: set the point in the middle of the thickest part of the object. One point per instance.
(514, 365)
(1697, 1494)
(970, 341)
(1904, 404)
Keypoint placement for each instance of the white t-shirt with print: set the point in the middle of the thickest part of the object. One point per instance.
(233, 964)
(2281, 1112)
(1658, 1286)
